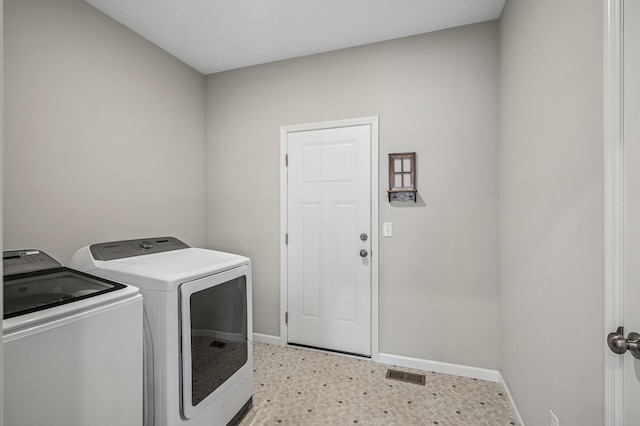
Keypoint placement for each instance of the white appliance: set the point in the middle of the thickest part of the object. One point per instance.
(72, 346)
(197, 308)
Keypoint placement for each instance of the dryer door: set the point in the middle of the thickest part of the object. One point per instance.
(214, 336)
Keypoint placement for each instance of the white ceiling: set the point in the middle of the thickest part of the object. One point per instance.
(218, 35)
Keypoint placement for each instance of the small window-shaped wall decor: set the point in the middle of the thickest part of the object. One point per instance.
(402, 177)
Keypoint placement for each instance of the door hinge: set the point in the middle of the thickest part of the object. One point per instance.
(286, 317)
(286, 160)
(286, 239)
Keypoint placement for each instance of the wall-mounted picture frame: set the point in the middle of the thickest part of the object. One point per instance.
(402, 177)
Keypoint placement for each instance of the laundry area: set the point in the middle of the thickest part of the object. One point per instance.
(81, 348)
(303, 212)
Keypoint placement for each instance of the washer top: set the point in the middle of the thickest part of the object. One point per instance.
(37, 289)
(26, 260)
(159, 268)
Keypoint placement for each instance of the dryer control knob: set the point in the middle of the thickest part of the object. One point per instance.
(145, 245)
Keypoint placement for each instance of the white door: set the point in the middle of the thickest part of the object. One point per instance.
(631, 269)
(329, 238)
(622, 372)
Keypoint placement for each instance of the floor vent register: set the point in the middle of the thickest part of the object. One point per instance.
(403, 376)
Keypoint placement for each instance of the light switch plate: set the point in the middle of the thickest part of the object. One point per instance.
(554, 419)
(387, 229)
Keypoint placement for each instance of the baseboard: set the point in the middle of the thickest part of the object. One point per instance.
(514, 408)
(440, 367)
(266, 338)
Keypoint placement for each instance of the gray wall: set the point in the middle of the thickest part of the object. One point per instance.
(104, 132)
(551, 209)
(435, 94)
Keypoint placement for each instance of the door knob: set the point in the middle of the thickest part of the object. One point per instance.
(363, 253)
(619, 345)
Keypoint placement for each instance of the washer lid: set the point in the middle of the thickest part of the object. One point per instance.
(39, 290)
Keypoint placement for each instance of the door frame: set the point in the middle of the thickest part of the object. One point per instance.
(284, 134)
(613, 144)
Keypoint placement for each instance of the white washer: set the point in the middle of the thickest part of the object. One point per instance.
(72, 346)
(198, 326)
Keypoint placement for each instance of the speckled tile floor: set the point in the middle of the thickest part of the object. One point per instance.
(301, 387)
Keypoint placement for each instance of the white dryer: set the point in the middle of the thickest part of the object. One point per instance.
(198, 326)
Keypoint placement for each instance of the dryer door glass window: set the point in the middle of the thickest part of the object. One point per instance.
(218, 335)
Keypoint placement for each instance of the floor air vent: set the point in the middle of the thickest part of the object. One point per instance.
(416, 379)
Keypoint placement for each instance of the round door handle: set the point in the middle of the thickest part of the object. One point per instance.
(364, 253)
(619, 345)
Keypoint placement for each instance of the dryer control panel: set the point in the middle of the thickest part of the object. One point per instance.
(26, 260)
(139, 247)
